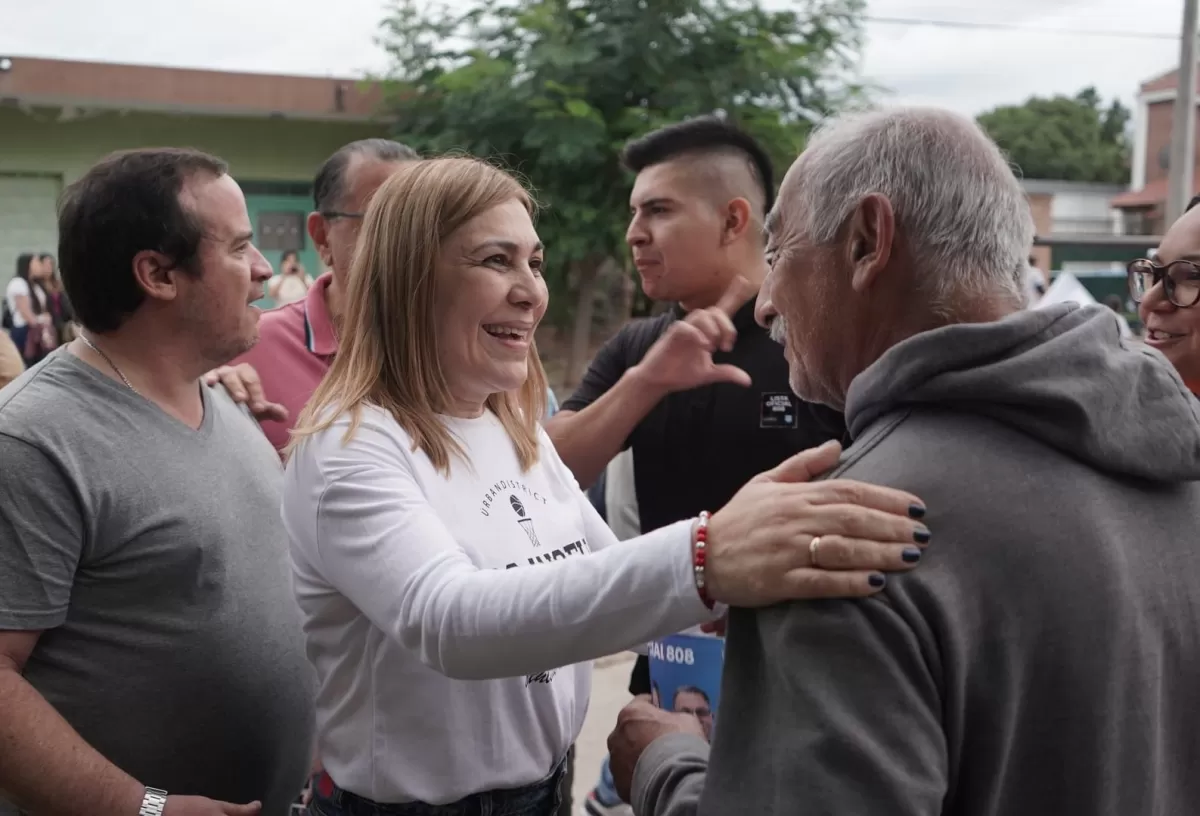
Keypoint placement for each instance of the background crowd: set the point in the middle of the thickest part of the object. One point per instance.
(36, 314)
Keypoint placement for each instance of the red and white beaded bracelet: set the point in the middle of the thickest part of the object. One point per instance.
(699, 554)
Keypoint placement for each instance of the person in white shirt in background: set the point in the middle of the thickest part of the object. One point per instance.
(292, 283)
(620, 497)
(25, 302)
(453, 579)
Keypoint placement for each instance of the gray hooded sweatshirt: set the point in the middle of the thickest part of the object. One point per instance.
(1043, 660)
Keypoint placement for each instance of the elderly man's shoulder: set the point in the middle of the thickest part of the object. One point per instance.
(990, 488)
(965, 455)
(1004, 505)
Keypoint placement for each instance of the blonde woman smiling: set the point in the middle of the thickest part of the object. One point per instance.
(453, 579)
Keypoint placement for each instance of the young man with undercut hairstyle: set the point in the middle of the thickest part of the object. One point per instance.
(701, 421)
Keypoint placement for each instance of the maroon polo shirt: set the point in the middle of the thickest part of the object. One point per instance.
(295, 348)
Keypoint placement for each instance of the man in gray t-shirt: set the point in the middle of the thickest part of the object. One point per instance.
(151, 657)
(151, 557)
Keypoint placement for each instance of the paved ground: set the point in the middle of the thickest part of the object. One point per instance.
(610, 693)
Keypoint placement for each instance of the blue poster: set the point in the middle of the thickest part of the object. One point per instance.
(685, 676)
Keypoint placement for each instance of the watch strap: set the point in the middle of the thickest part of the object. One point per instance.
(153, 802)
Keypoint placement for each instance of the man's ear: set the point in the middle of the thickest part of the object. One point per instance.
(156, 275)
(869, 240)
(737, 221)
(316, 231)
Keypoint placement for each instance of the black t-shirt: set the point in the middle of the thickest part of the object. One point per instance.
(697, 448)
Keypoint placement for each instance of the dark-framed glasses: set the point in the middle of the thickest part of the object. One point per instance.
(1180, 280)
(331, 214)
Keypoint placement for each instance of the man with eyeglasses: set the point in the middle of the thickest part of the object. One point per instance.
(297, 341)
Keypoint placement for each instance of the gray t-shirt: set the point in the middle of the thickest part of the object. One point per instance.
(153, 557)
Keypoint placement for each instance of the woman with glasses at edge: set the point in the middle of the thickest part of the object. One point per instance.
(1166, 291)
(453, 579)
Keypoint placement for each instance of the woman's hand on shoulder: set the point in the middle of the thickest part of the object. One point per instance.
(784, 537)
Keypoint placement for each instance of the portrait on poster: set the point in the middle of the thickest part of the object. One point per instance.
(685, 676)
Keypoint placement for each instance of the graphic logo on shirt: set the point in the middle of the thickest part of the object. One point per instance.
(526, 523)
(778, 411)
(493, 496)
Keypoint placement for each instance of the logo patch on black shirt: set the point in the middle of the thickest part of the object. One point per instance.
(779, 410)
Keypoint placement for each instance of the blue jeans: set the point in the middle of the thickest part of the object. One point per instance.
(538, 799)
(19, 335)
(606, 788)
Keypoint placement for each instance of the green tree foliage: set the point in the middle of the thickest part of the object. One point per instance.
(555, 88)
(1064, 138)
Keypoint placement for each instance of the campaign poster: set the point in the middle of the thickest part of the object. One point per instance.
(685, 676)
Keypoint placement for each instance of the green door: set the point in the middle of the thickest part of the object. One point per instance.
(271, 214)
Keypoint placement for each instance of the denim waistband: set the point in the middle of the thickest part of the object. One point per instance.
(539, 799)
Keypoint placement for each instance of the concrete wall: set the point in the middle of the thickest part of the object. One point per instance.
(259, 151)
(256, 149)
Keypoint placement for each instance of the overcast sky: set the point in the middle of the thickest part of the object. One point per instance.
(968, 70)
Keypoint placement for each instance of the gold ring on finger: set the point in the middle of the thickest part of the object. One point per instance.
(813, 549)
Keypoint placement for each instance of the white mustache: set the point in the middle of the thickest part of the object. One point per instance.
(778, 330)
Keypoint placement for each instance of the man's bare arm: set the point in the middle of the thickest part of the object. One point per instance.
(46, 769)
(587, 440)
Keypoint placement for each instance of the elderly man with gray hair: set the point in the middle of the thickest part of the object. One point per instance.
(1044, 660)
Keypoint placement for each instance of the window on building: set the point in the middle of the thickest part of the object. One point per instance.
(1083, 212)
(280, 231)
(1134, 222)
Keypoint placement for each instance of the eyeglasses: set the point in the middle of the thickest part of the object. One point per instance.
(1180, 279)
(701, 711)
(331, 214)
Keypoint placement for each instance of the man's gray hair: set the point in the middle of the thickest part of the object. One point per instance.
(961, 209)
(329, 187)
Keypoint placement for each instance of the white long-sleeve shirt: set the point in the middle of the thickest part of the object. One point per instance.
(438, 610)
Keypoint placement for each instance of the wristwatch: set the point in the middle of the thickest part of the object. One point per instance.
(153, 802)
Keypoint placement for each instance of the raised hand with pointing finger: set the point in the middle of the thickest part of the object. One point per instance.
(683, 357)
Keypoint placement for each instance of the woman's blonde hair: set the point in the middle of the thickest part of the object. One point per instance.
(388, 354)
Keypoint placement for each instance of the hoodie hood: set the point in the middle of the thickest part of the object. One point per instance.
(1062, 375)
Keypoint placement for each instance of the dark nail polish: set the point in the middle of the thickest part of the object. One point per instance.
(916, 511)
(911, 555)
(921, 535)
(877, 581)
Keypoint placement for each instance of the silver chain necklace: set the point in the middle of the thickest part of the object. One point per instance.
(108, 360)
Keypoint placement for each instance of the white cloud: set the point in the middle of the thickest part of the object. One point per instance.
(967, 70)
(972, 70)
